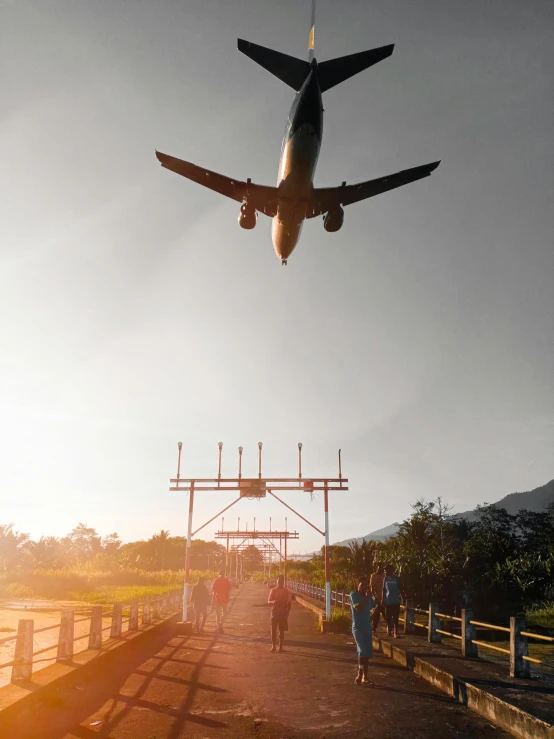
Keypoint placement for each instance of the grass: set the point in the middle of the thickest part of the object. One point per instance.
(95, 587)
(119, 594)
(542, 615)
(4, 629)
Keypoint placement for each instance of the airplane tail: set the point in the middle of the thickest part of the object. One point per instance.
(311, 40)
(288, 69)
(293, 71)
(338, 70)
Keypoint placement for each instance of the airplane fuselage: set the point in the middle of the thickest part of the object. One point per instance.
(299, 155)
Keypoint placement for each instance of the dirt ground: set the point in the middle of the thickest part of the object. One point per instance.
(231, 686)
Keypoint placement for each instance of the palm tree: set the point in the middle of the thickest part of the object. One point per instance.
(13, 545)
(159, 542)
(46, 552)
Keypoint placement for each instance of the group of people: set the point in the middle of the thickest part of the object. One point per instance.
(219, 598)
(280, 599)
(375, 596)
(378, 595)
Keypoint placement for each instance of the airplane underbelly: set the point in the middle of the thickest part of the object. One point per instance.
(295, 178)
(298, 161)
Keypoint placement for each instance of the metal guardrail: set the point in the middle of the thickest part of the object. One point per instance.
(151, 609)
(519, 636)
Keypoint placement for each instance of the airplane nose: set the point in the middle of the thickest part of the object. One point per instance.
(283, 242)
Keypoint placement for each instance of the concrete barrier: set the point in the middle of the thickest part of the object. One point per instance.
(23, 700)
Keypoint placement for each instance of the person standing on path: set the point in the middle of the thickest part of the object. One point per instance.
(200, 599)
(221, 590)
(376, 585)
(392, 592)
(361, 603)
(281, 601)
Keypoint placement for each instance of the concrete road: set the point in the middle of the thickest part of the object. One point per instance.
(232, 686)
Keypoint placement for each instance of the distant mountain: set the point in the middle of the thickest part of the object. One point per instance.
(379, 535)
(535, 500)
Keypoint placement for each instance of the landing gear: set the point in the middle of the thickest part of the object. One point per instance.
(284, 262)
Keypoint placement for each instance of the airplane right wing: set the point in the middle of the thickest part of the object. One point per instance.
(326, 199)
(261, 197)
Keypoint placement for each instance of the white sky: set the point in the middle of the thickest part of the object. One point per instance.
(134, 312)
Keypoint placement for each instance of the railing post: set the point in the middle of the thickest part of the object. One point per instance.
(519, 648)
(66, 636)
(469, 634)
(409, 617)
(146, 610)
(434, 623)
(117, 618)
(343, 600)
(157, 606)
(95, 633)
(23, 670)
(133, 615)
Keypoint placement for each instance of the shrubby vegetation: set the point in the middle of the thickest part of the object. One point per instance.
(503, 564)
(86, 566)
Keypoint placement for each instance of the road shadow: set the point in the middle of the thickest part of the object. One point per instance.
(71, 708)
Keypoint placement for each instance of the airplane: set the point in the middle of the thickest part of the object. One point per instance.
(295, 198)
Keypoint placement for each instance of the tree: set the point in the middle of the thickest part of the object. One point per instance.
(111, 543)
(252, 559)
(13, 546)
(83, 543)
(46, 553)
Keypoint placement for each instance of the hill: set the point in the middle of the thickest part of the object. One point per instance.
(379, 535)
(534, 500)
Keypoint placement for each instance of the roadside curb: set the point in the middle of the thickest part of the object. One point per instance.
(505, 715)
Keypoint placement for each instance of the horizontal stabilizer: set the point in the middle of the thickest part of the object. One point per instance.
(288, 69)
(335, 71)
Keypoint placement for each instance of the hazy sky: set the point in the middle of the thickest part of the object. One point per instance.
(134, 312)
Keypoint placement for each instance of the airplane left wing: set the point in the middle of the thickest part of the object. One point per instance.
(261, 197)
(326, 199)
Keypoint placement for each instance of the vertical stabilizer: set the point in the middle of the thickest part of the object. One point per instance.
(311, 41)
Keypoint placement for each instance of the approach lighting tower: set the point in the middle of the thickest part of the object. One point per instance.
(257, 488)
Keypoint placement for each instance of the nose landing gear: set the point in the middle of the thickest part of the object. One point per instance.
(284, 262)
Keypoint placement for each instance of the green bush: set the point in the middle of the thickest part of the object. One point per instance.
(341, 621)
(541, 615)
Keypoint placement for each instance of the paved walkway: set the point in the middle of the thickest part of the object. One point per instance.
(231, 686)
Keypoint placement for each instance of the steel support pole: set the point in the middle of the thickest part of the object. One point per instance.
(285, 562)
(187, 558)
(327, 568)
(227, 564)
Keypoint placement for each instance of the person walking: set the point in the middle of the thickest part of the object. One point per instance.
(376, 585)
(392, 593)
(361, 603)
(281, 602)
(221, 589)
(200, 599)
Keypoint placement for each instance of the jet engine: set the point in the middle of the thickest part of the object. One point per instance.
(247, 216)
(333, 220)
